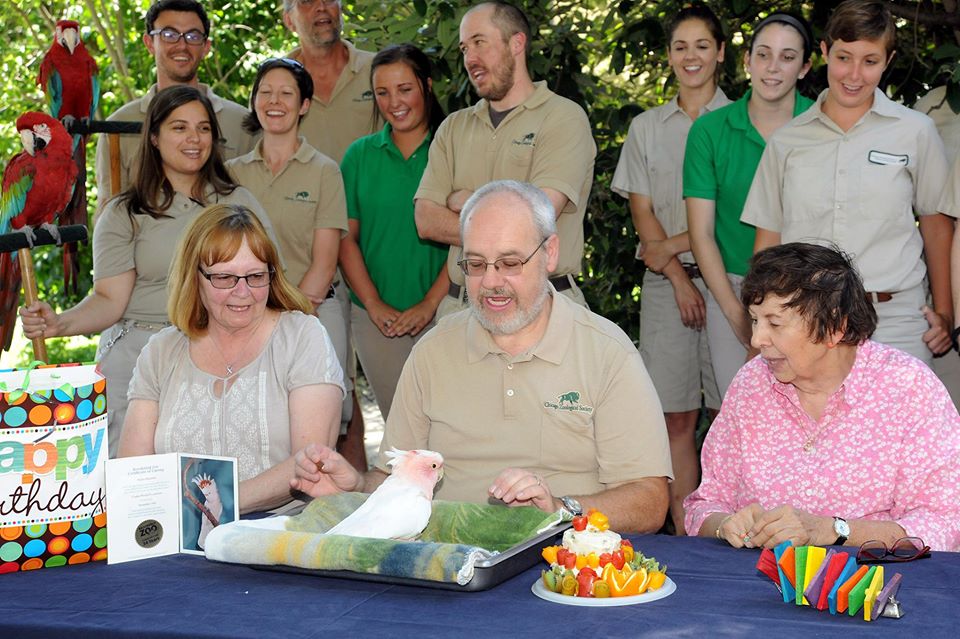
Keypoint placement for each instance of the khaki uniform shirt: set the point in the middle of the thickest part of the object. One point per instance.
(545, 141)
(858, 189)
(332, 126)
(148, 245)
(936, 106)
(236, 141)
(578, 409)
(651, 163)
(306, 194)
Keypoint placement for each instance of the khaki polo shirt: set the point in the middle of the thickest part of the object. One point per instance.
(332, 126)
(122, 242)
(651, 163)
(236, 141)
(307, 194)
(546, 140)
(578, 409)
(858, 189)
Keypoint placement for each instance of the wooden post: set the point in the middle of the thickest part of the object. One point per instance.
(29, 279)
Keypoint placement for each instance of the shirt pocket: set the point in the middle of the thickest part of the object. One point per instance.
(806, 195)
(567, 441)
(518, 158)
(886, 191)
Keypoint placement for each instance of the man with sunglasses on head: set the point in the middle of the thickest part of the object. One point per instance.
(178, 37)
(342, 109)
(532, 399)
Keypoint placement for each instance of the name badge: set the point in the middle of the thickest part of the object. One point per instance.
(879, 157)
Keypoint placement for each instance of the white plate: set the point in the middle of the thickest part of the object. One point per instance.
(667, 589)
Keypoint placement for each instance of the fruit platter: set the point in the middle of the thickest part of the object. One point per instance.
(595, 566)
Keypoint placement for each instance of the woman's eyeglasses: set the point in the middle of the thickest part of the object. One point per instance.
(904, 549)
(227, 280)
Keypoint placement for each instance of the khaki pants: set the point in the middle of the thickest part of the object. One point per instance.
(119, 348)
(381, 357)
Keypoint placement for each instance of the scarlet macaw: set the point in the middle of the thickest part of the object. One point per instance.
(68, 76)
(37, 184)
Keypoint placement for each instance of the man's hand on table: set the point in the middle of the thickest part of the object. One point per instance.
(518, 487)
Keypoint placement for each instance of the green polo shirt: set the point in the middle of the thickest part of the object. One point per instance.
(380, 185)
(723, 151)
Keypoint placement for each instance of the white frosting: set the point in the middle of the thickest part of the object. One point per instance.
(587, 541)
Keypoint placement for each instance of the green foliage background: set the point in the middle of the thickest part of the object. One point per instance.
(607, 55)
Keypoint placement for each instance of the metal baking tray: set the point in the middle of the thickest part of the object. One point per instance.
(487, 573)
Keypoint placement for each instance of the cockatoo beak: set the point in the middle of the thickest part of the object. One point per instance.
(27, 140)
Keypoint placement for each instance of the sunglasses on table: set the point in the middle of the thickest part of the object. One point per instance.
(904, 549)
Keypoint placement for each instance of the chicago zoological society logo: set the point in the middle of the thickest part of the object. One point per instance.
(569, 401)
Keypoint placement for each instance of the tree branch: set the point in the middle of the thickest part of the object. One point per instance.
(913, 11)
(116, 56)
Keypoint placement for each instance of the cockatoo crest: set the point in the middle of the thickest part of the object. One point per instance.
(202, 481)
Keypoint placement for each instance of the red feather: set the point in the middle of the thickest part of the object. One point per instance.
(54, 174)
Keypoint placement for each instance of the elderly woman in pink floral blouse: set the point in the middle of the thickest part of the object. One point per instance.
(827, 437)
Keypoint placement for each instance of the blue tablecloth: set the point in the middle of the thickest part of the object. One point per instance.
(719, 594)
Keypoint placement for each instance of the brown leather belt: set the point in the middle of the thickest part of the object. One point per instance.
(878, 298)
(692, 271)
(560, 283)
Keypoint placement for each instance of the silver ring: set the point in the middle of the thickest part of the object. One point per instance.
(539, 481)
(746, 539)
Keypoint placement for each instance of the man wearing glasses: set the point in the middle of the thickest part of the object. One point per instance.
(518, 130)
(178, 37)
(531, 399)
(342, 108)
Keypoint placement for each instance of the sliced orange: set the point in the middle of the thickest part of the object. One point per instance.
(626, 584)
(549, 554)
(581, 561)
(609, 568)
(657, 579)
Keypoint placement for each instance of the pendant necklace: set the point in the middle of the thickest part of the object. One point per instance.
(229, 366)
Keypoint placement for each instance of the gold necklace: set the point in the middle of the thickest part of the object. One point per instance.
(229, 366)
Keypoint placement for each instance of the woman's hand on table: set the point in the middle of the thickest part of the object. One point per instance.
(320, 470)
(784, 523)
(733, 528)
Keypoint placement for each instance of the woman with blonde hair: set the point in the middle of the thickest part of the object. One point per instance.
(245, 371)
(180, 172)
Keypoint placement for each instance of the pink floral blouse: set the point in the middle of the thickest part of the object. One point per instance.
(887, 448)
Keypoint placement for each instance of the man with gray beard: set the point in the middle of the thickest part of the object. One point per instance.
(518, 130)
(527, 395)
(341, 109)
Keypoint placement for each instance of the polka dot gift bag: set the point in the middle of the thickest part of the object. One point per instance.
(53, 450)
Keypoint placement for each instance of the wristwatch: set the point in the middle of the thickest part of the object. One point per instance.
(571, 505)
(842, 528)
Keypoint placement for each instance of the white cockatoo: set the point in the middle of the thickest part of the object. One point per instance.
(400, 508)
